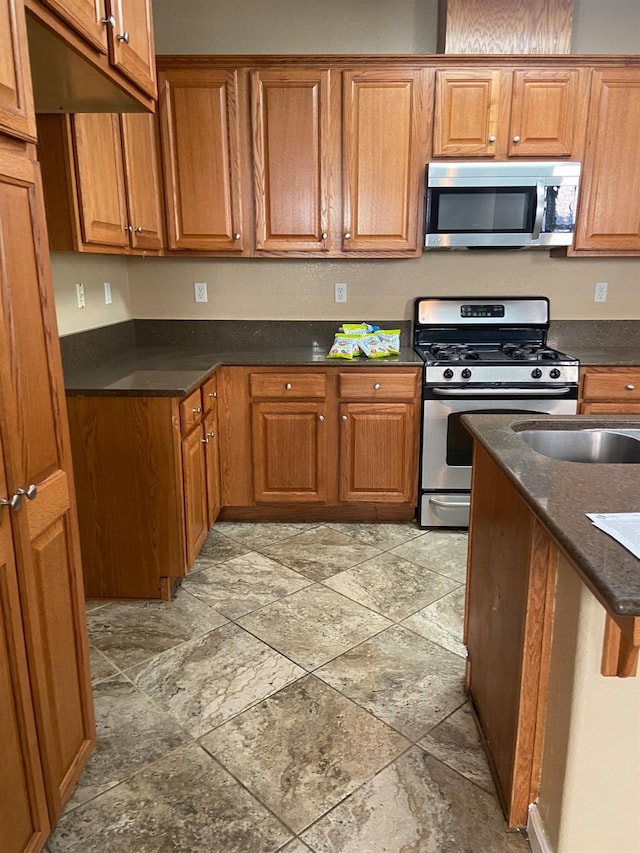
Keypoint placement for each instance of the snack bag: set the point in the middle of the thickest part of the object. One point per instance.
(391, 339)
(344, 346)
(355, 328)
(372, 346)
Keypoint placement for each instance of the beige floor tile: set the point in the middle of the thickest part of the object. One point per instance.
(259, 535)
(443, 551)
(382, 536)
(442, 622)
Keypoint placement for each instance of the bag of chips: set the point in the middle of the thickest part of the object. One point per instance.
(391, 339)
(344, 346)
(372, 346)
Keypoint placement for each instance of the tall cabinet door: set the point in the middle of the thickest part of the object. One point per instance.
(140, 152)
(131, 42)
(385, 121)
(292, 157)
(23, 809)
(201, 152)
(17, 116)
(37, 459)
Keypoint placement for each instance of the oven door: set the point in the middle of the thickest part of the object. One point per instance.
(447, 447)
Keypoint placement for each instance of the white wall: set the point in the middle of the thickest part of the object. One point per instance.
(92, 271)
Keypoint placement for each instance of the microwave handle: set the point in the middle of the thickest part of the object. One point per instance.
(540, 199)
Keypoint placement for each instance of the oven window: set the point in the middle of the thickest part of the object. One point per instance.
(459, 440)
(508, 210)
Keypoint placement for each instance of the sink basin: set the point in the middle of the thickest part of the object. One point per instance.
(583, 445)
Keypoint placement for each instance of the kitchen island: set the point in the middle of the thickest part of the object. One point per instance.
(553, 608)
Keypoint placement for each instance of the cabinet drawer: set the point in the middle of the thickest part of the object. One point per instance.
(190, 411)
(370, 386)
(209, 393)
(612, 385)
(288, 385)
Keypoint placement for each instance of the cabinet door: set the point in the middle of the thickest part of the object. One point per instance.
(201, 152)
(36, 451)
(100, 179)
(467, 108)
(292, 158)
(610, 409)
(86, 17)
(195, 492)
(546, 114)
(23, 808)
(17, 116)
(384, 154)
(377, 452)
(131, 43)
(609, 205)
(140, 152)
(289, 443)
(212, 453)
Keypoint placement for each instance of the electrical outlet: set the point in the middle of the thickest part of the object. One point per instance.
(80, 295)
(200, 291)
(339, 292)
(600, 292)
(107, 293)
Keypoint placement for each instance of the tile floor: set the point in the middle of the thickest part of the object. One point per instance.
(303, 692)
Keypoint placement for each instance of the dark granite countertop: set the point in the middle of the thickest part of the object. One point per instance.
(606, 356)
(560, 493)
(174, 370)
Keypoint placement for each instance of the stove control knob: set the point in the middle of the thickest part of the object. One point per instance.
(536, 373)
(448, 373)
(554, 373)
(466, 373)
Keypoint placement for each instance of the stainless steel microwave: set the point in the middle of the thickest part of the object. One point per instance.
(525, 204)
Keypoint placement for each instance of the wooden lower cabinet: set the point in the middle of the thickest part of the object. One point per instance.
(508, 624)
(610, 391)
(195, 492)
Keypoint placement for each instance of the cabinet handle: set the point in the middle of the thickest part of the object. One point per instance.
(236, 236)
(492, 139)
(323, 236)
(138, 229)
(110, 21)
(128, 228)
(197, 410)
(516, 139)
(213, 394)
(288, 386)
(344, 418)
(347, 236)
(377, 386)
(211, 435)
(320, 418)
(631, 387)
(123, 37)
(204, 440)
(30, 492)
(13, 502)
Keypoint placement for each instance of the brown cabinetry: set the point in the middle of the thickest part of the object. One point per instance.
(101, 181)
(17, 116)
(610, 391)
(609, 206)
(500, 113)
(200, 133)
(43, 617)
(131, 43)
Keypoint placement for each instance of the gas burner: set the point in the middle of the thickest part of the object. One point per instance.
(529, 352)
(454, 352)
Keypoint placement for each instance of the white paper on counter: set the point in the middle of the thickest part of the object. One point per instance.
(624, 527)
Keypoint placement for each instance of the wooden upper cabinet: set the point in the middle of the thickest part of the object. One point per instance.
(509, 113)
(86, 17)
(385, 123)
(100, 176)
(609, 204)
(131, 43)
(17, 116)
(200, 133)
(143, 183)
(293, 155)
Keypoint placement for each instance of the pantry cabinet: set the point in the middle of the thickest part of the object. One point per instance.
(500, 113)
(17, 116)
(610, 391)
(608, 220)
(102, 182)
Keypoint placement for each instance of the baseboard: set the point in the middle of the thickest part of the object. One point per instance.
(535, 829)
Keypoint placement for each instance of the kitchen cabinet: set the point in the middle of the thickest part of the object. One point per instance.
(17, 115)
(203, 172)
(102, 182)
(323, 442)
(74, 39)
(610, 391)
(508, 623)
(608, 221)
(140, 544)
(43, 613)
(500, 113)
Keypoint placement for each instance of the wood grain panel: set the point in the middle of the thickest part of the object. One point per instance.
(612, 385)
(212, 460)
(190, 411)
(131, 43)
(506, 26)
(385, 385)
(17, 115)
(283, 384)
(142, 173)
(610, 409)
(547, 117)
(210, 393)
(234, 420)
(85, 16)
(195, 493)
(467, 111)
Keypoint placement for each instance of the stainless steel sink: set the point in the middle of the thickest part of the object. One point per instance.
(585, 445)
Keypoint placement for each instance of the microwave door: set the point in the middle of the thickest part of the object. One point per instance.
(540, 202)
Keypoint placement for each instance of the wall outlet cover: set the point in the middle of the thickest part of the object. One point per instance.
(80, 295)
(107, 293)
(600, 292)
(339, 292)
(200, 291)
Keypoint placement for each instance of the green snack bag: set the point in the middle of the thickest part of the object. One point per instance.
(372, 346)
(344, 346)
(355, 328)
(391, 339)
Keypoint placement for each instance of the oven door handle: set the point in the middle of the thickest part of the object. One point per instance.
(500, 392)
(450, 504)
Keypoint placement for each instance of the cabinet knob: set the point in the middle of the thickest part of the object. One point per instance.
(288, 386)
(138, 229)
(13, 502)
(492, 139)
(516, 139)
(347, 236)
(30, 492)
(211, 434)
(204, 440)
(321, 418)
(344, 418)
(123, 37)
(110, 21)
(377, 386)
(213, 394)
(631, 387)
(236, 236)
(197, 410)
(128, 228)
(323, 236)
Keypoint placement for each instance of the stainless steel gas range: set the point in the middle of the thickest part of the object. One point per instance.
(481, 355)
